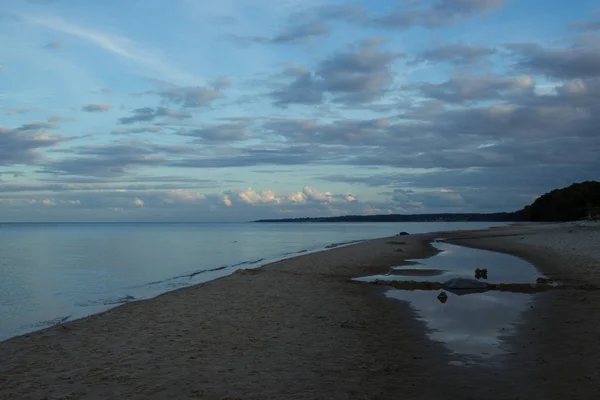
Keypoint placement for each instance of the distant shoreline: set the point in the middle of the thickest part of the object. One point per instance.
(462, 217)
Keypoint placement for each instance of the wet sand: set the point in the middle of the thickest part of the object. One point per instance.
(298, 329)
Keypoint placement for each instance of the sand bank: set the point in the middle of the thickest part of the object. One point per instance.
(297, 329)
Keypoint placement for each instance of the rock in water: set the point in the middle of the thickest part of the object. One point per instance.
(442, 297)
(464, 286)
(403, 234)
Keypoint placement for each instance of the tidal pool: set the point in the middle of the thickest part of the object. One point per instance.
(472, 326)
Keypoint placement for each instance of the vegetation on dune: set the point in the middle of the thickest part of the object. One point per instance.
(576, 202)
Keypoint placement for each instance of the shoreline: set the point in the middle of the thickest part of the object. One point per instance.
(126, 298)
(296, 329)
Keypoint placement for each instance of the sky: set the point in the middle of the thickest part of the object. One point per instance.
(235, 110)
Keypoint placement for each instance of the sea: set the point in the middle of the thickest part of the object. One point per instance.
(53, 273)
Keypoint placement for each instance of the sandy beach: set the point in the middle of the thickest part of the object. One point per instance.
(299, 329)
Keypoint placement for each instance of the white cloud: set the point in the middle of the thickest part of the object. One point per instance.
(138, 202)
(117, 45)
(251, 196)
(48, 202)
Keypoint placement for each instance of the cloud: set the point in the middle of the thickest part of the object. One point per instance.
(182, 205)
(141, 129)
(561, 63)
(254, 156)
(294, 33)
(117, 45)
(586, 25)
(305, 89)
(112, 160)
(470, 87)
(345, 132)
(250, 196)
(96, 108)
(54, 45)
(407, 14)
(36, 126)
(440, 13)
(308, 196)
(58, 118)
(230, 132)
(21, 145)
(138, 202)
(148, 114)
(9, 111)
(359, 74)
(191, 96)
(456, 54)
(298, 33)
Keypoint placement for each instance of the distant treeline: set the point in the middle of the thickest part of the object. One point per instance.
(578, 201)
(497, 217)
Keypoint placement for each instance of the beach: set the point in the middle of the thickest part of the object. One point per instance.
(300, 329)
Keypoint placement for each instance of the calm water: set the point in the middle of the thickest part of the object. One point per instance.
(472, 326)
(56, 272)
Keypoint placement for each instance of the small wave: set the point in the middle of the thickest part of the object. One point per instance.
(106, 302)
(334, 245)
(293, 253)
(48, 323)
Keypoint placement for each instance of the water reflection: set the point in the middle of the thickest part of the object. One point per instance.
(471, 325)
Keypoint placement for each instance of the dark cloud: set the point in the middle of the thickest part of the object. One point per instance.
(438, 14)
(96, 108)
(54, 45)
(304, 89)
(470, 87)
(252, 157)
(587, 25)
(36, 126)
(299, 29)
(58, 118)
(360, 74)
(558, 130)
(14, 174)
(191, 96)
(230, 132)
(141, 129)
(562, 63)
(341, 132)
(434, 14)
(357, 75)
(456, 54)
(300, 32)
(22, 145)
(109, 160)
(148, 114)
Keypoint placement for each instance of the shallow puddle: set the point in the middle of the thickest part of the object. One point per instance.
(471, 325)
